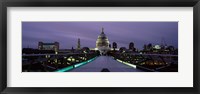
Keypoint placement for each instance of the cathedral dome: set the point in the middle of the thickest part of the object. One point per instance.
(102, 40)
(102, 43)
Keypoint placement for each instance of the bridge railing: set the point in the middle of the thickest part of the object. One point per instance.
(150, 62)
(52, 62)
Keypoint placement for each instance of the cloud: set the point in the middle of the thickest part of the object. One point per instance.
(123, 33)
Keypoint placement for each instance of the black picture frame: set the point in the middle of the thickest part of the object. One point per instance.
(100, 3)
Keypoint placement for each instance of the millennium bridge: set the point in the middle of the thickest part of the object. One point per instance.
(93, 62)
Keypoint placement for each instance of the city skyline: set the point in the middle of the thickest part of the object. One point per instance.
(67, 33)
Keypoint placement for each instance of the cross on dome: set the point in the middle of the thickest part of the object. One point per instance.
(102, 30)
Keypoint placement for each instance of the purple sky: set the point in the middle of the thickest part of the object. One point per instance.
(67, 33)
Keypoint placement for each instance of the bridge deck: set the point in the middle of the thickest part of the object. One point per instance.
(105, 62)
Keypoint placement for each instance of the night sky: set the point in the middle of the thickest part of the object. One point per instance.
(67, 33)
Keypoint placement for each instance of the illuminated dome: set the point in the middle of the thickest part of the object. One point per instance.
(102, 42)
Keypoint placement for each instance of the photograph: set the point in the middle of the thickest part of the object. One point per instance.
(99, 46)
(107, 46)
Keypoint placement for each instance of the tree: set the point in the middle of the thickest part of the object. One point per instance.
(109, 45)
(122, 49)
(114, 45)
(170, 48)
(131, 46)
(72, 49)
(86, 49)
(145, 47)
(149, 46)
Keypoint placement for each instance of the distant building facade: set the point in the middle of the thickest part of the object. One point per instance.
(48, 46)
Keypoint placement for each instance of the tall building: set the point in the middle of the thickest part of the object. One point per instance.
(102, 43)
(79, 44)
(48, 46)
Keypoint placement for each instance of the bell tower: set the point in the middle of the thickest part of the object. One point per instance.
(79, 44)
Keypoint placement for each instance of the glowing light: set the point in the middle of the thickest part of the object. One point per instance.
(119, 60)
(84, 51)
(55, 60)
(95, 48)
(46, 56)
(71, 59)
(75, 66)
(131, 65)
(83, 63)
(78, 65)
